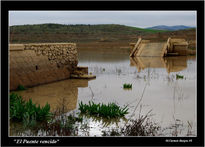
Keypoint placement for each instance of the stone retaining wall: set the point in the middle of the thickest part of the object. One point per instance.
(34, 64)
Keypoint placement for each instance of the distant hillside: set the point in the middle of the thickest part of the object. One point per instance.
(81, 34)
(74, 33)
(170, 28)
(59, 28)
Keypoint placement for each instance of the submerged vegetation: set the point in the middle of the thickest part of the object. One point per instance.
(60, 124)
(179, 76)
(142, 126)
(111, 110)
(127, 86)
(21, 87)
(63, 126)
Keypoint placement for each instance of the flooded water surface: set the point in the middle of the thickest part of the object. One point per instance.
(155, 88)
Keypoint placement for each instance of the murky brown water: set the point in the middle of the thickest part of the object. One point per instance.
(169, 98)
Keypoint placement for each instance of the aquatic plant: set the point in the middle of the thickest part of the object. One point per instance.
(17, 107)
(138, 127)
(60, 124)
(127, 86)
(179, 76)
(21, 87)
(111, 110)
(70, 121)
(105, 121)
(64, 126)
(21, 110)
(112, 132)
(142, 126)
(29, 121)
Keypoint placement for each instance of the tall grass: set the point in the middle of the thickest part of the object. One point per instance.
(60, 124)
(21, 110)
(110, 110)
(143, 126)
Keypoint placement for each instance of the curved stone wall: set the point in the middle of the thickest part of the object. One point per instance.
(34, 64)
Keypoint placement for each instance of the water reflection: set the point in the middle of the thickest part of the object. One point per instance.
(105, 122)
(53, 93)
(172, 64)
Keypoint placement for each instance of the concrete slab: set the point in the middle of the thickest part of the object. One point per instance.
(152, 50)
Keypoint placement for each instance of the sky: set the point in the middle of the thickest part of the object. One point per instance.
(140, 19)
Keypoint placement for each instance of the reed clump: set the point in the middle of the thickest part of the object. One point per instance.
(179, 76)
(142, 126)
(21, 110)
(127, 86)
(21, 87)
(111, 110)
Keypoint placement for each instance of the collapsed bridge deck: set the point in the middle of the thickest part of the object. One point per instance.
(145, 48)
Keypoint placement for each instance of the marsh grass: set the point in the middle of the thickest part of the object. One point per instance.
(179, 76)
(111, 110)
(112, 132)
(26, 111)
(21, 87)
(61, 124)
(62, 127)
(143, 126)
(127, 86)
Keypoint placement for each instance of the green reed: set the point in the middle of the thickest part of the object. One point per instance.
(179, 76)
(128, 86)
(21, 110)
(111, 110)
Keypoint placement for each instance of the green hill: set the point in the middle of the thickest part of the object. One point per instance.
(76, 33)
(92, 36)
(66, 29)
